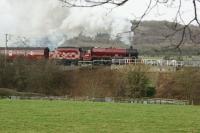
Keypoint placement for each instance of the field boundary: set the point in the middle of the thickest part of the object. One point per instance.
(103, 99)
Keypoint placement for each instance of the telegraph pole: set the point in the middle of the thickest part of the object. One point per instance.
(6, 43)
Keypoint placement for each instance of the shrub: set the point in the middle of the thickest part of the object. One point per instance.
(151, 91)
(183, 84)
(135, 82)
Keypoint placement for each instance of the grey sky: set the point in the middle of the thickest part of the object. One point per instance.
(41, 17)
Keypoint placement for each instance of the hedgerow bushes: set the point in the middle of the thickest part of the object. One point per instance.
(39, 77)
(182, 84)
(132, 82)
(45, 77)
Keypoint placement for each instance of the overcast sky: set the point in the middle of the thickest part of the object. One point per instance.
(43, 17)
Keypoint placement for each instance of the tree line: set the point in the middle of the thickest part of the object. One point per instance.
(47, 78)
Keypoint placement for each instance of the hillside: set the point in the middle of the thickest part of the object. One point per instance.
(151, 38)
(156, 32)
(100, 40)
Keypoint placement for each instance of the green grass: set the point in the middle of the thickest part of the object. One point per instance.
(23, 116)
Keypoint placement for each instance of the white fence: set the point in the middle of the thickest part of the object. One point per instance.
(173, 63)
(153, 62)
(104, 99)
(157, 62)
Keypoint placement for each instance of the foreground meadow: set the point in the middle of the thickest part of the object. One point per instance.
(24, 116)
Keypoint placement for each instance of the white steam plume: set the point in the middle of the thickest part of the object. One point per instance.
(36, 18)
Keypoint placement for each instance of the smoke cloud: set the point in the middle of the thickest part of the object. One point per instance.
(42, 18)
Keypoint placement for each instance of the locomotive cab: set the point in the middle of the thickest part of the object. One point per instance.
(132, 53)
(86, 53)
(46, 53)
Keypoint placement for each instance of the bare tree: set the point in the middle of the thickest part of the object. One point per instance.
(183, 30)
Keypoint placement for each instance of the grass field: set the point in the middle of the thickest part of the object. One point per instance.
(23, 116)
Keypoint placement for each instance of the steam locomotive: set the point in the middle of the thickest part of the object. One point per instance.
(70, 55)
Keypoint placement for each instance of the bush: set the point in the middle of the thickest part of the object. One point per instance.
(151, 91)
(135, 83)
(98, 82)
(183, 84)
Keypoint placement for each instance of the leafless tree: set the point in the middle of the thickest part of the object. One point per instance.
(183, 30)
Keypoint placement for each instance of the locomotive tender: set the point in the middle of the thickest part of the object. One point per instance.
(70, 55)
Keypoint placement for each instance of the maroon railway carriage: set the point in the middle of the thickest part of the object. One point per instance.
(25, 52)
